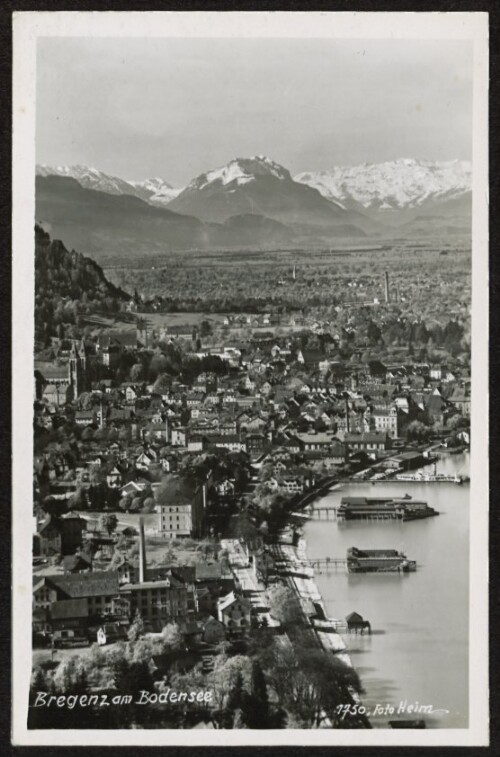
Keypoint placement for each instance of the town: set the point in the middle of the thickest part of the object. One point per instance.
(173, 461)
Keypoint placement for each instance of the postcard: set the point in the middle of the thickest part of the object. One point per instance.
(250, 286)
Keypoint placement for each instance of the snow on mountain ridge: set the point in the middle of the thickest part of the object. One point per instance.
(155, 191)
(403, 183)
(241, 171)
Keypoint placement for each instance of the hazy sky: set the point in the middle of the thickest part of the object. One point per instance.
(176, 108)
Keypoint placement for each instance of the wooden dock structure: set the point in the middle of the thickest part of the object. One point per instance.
(322, 513)
(330, 563)
(331, 514)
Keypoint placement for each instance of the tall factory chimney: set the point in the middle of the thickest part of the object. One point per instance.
(347, 413)
(386, 283)
(142, 552)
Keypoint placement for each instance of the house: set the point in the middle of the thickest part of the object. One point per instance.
(436, 372)
(97, 596)
(72, 527)
(179, 436)
(181, 508)
(225, 489)
(291, 485)
(48, 541)
(234, 613)
(114, 478)
(435, 406)
(256, 444)
(128, 572)
(213, 630)
(377, 369)
(85, 417)
(266, 388)
(372, 441)
(169, 463)
(292, 445)
(146, 459)
(196, 443)
(57, 394)
(316, 441)
(119, 415)
(195, 399)
(255, 424)
(232, 442)
(312, 358)
(386, 420)
(161, 601)
(405, 461)
(134, 488)
(131, 394)
(460, 399)
(111, 345)
(79, 563)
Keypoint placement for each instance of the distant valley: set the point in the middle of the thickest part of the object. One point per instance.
(252, 203)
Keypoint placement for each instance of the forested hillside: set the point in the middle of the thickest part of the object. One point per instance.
(68, 285)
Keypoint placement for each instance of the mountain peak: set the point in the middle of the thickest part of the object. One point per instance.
(154, 191)
(241, 171)
(394, 184)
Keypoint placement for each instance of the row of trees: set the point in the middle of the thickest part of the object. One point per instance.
(275, 684)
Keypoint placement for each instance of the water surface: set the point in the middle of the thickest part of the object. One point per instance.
(418, 651)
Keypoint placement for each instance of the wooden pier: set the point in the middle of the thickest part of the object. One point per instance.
(323, 513)
(330, 563)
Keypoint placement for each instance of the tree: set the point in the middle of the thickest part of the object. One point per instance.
(68, 674)
(78, 500)
(148, 505)
(136, 630)
(205, 329)
(162, 384)
(131, 677)
(171, 635)
(255, 705)
(108, 522)
(224, 675)
(136, 372)
(310, 683)
(284, 606)
(235, 696)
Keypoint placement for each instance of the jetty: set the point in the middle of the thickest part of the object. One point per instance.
(373, 509)
(378, 561)
(384, 508)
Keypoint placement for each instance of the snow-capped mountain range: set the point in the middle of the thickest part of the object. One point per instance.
(155, 191)
(394, 185)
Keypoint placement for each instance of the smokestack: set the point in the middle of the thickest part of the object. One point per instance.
(386, 282)
(142, 552)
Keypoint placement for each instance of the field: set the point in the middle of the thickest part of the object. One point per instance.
(207, 286)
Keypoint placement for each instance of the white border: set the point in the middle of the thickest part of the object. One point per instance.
(28, 26)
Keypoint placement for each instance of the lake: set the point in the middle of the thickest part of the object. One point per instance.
(418, 651)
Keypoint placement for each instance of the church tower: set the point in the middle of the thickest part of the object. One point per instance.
(78, 368)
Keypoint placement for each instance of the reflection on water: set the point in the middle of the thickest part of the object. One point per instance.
(418, 650)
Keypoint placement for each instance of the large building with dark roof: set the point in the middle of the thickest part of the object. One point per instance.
(181, 508)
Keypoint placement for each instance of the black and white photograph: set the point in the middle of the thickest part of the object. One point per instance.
(250, 398)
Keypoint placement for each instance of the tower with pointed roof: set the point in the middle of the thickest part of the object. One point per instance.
(78, 368)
